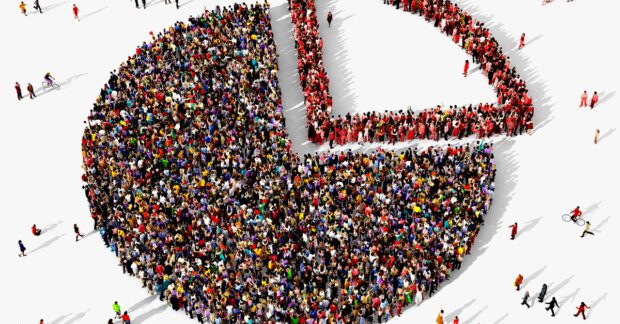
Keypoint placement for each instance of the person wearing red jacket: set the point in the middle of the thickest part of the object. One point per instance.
(76, 12)
(582, 310)
(513, 233)
(584, 99)
(575, 214)
(594, 100)
(522, 41)
(36, 231)
(466, 68)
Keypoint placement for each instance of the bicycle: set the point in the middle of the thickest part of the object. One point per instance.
(52, 84)
(578, 220)
(544, 2)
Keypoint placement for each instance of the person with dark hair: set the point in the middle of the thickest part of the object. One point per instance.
(543, 292)
(587, 229)
(552, 305)
(22, 248)
(35, 231)
(581, 309)
(18, 89)
(76, 230)
(330, 17)
(513, 232)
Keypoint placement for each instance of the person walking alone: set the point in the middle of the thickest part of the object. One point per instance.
(76, 229)
(439, 319)
(330, 18)
(513, 233)
(22, 248)
(584, 99)
(587, 230)
(522, 41)
(519, 281)
(35, 231)
(466, 68)
(30, 89)
(177, 3)
(525, 298)
(581, 309)
(143, 4)
(18, 89)
(596, 135)
(552, 305)
(594, 100)
(76, 12)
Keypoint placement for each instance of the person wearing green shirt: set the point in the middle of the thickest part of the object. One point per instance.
(117, 309)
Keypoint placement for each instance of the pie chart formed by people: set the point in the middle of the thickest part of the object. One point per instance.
(190, 175)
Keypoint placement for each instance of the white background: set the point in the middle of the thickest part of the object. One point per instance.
(377, 58)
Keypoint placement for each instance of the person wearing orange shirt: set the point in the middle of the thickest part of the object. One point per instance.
(584, 99)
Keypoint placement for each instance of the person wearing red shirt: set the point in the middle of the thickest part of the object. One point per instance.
(575, 214)
(466, 68)
(36, 231)
(75, 12)
(582, 310)
(522, 41)
(594, 100)
(125, 318)
(584, 99)
(513, 233)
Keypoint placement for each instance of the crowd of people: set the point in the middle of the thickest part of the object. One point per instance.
(511, 114)
(192, 183)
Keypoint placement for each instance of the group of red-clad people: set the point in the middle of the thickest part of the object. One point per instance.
(511, 114)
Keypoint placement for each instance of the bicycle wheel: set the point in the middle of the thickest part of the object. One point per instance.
(45, 85)
(580, 222)
(56, 86)
(566, 218)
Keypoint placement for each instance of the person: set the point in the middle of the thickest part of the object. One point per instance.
(76, 229)
(76, 12)
(525, 298)
(117, 309)
(18, 89)
(41, 321)
(167, 2)
(552, 305)
(596, 135)
(22, 248)
(22, 6)
(137, 4)
(144, 4)
(513, 232)
(543, 292)
(466, 68)
(38, 6)
(35, 231)
(522, 41)
(575, 214)
(330, 17)
(48, 79)
(456, 320)
(584, 99)
(110, 321)
(177, 3)
(30, 89)
(439, 319)
(587, 230)
(519, 281)
(125, 318)
(581, 309)
(594, 100)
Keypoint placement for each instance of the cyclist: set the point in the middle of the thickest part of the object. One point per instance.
(49, 79)
(576, 213)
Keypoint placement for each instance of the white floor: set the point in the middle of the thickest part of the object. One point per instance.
(377, 58)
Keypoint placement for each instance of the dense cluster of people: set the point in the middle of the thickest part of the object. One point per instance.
(192, 183)
(511, 114)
